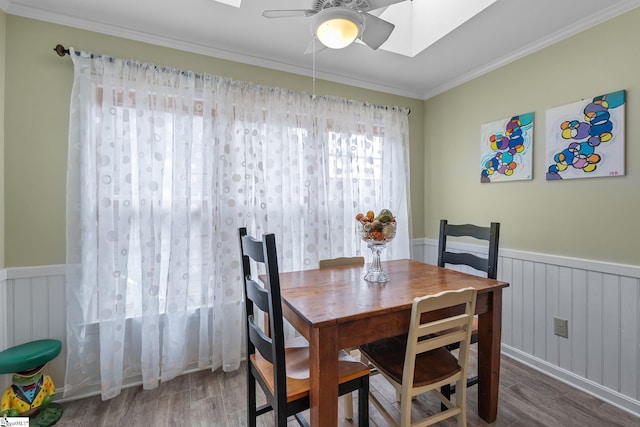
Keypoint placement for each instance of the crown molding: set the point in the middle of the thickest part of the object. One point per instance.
(241, 57)
(553, 38)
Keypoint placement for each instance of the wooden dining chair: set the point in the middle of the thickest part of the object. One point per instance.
(341, 261)
(419, 362)
(280, 367)
(486, 264)
(347, 399)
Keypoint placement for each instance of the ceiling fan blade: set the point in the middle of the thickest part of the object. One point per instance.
(376, 31)
(288, 13)
(314, 47)
(377, 4)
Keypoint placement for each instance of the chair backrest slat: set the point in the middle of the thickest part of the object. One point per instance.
(258, 294)
(253, 248)
(440, 341)
(490, 235)
(442, 325)
(260, 340)
(464, 258)
(470, 230)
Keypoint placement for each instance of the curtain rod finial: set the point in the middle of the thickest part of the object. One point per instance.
(60, 50)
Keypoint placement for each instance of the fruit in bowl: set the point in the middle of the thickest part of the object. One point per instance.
(380, 228)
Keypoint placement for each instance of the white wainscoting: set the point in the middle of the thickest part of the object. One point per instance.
(600, 300)
(32, 305)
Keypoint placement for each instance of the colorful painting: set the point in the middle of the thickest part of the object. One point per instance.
(586, 138)
(506, 149)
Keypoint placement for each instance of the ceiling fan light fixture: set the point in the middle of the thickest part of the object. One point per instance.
(337, 27)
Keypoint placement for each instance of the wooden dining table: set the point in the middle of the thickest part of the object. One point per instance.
(335, 308)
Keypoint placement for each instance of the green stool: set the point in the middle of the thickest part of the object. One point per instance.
(31, 393)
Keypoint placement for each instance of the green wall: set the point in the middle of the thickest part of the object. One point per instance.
(3, 26)
(594, 218)
(37, 92)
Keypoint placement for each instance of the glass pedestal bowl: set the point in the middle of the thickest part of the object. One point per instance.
(377, 235)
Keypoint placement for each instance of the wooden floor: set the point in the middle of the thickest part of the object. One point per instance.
(527, 398)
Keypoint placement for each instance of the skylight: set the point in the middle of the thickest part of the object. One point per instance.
(235, 3)
(419, 24)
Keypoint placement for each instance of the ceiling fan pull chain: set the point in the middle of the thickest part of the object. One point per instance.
(313, 67)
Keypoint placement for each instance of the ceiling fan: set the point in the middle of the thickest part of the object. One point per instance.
(337, 23)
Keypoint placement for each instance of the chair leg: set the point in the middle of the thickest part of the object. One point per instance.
(363, 403)
(281, 419)
(347, 399)
(405, 410)
(446, 392)
(251, 400)
(461, 402)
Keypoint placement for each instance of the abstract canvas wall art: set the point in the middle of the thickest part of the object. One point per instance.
(506, 149)
(586, 138)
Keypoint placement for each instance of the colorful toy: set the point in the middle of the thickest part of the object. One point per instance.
(32, 391)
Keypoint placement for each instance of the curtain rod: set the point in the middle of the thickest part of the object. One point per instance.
(62, 51)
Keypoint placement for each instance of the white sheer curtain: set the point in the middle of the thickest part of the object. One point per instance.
(164, 166)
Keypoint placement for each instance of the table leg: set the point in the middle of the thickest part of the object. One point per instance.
(489, 336)
(323, 373)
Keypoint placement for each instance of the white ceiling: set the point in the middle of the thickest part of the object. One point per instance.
(503, 32)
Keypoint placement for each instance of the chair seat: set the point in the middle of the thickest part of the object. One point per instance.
(297, 368)
(431, 367)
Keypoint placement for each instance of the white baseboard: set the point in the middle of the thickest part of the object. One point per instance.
(619, 400)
